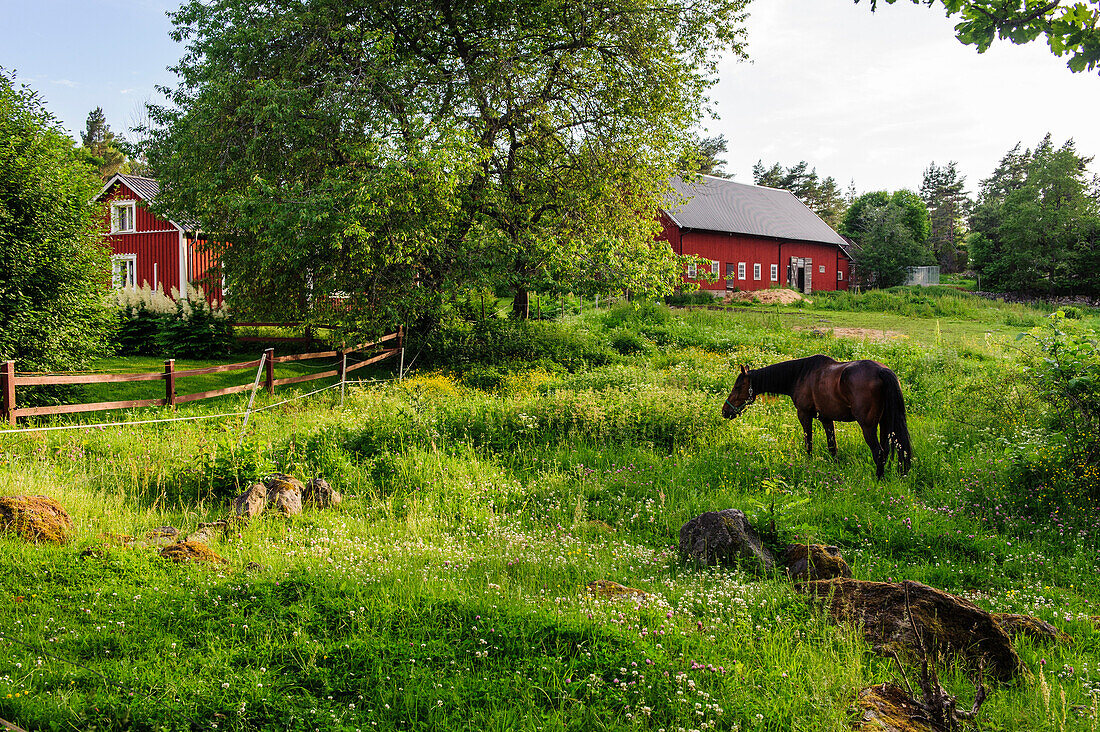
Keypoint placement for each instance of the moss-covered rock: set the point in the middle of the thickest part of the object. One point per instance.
(284, 493)
(1038, 631)
(607, 588)
(889, 708)
(947, 624)
(35, 518)
(815, 562)
(191, 551)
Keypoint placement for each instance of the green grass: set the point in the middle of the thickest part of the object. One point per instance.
(447, 591)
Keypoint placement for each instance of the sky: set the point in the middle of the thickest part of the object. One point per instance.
(866, 98)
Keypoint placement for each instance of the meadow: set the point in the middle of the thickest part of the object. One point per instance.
(516, 464)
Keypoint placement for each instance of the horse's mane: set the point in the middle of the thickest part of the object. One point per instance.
(780, 378)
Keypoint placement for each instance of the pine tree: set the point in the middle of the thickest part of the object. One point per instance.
(944, 194)
(101, 144)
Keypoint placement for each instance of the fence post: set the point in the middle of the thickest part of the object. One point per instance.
(401, 348)
(170, 382)
(269, 373)
(7, 392)
(343, 369)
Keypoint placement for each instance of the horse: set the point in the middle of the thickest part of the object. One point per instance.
(834, 391)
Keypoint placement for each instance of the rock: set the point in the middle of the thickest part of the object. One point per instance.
(217, 530)
(35, 518)
(284, 493)
(1038, 631)
(252, 502)
(255, 567)
(815, 562)
(190, 551)
(948, 624)
(607, 588)
(107, 541)
(318, 492)
(163, 536)
(724, 537)
(889, 708)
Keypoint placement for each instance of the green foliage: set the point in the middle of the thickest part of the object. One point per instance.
(943, 192)
(502, 176)
(1037, 223)
(888, 247)
(914, 302)
(102, 147)
(1071, 29)
(199, 329)
(54, 268)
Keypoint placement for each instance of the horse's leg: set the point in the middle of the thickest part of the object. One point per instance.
(830, 435)
(869, 434)
(806, 417)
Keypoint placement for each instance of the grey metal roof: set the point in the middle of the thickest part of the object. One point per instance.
(718, 204)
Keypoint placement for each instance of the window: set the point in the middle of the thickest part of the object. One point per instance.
(775, 273)
(122, 216)
(756, 270)
(821, 269)
(692, 272)
(839, 275)
(123, 271)
(740, 270)
(715, 269)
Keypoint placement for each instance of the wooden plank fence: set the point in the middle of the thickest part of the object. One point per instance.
(9, 379)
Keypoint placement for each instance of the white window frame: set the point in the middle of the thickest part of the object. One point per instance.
(131, 217)
(757, 273)
(124, 271)
(741, 270)
(692, 271)
(775, 273)
(715, 268)
(821, 269)
(839, 275)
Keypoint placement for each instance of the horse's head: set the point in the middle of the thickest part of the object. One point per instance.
(741, 396)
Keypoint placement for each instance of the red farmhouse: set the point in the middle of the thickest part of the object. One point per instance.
(147, 248)
(754, 237)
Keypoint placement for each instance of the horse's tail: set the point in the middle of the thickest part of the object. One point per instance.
(893, 421)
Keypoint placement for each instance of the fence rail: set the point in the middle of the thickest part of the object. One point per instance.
(9, 380)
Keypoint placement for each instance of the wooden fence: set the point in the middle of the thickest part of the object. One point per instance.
(9, 380)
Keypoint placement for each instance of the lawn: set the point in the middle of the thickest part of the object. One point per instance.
(482, 495)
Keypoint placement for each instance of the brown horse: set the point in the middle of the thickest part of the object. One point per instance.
(833, 391)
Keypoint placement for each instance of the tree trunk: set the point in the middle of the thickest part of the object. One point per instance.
(521, 303)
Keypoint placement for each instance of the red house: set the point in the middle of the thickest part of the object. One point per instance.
(754, 237)
(147, 248)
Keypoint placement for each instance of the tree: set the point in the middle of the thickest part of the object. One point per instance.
(54, 268)
(1037, 222)
(398, 150)
(102, 146)
(944, 194)
(1071, 28)
(887, 246)
(915, 215)
(821, 195)
(703, 157)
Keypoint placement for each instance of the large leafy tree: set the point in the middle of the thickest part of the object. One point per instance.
(704, 156)
(887, 247)
(1070, 28)
(397, 150)
(1036, 226)
(821, 195)
(944, 194)
(54, 269)
(915, 215)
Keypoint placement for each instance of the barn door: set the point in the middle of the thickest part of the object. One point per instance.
(792, 273)
(809, 265)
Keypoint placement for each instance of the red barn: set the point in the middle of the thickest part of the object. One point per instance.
(147, 248)
(754, 237)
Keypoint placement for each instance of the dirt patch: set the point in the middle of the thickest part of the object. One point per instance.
(863, 334)
(767, 297)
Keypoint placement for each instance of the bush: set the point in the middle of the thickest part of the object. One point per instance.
(198, 329)
(141, 314)
(627, 342)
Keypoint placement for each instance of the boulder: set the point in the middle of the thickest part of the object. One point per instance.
(725, 538)
(815, 562)
(163, 536)
(1038, 631)
(889, 708)
(191, 551)
(318, 492)
(36, 519)
(947, 624)
(251, 502)
(284, 493)
(607, 588)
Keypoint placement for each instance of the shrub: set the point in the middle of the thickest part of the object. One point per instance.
(142, 314)
(628, 342)
(199, 329)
